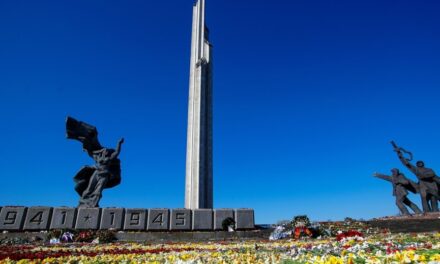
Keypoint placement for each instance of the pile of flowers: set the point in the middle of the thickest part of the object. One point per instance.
(351, 234)
(299, 227)
(350, 224)
(352, 248)
(93, 236)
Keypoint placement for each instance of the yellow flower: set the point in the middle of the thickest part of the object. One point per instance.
(435, 257)
(334, 260)
(419, 258)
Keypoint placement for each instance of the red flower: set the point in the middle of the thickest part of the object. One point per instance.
(350, 233)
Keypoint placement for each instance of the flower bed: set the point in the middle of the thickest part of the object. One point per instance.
(351, 248)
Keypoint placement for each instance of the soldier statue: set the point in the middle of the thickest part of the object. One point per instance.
(428, 187)
(106, 173)
(401, 186)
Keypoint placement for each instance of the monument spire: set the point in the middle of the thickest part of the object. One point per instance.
(199, 182)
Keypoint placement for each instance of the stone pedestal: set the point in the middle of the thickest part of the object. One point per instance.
(112, 218)
(12, 218)
(180, 219)
(220, 215)
(88, 218)
(135, 219)
(37, 218)
(244, 219)
(143, 220)
(202, 219)
(158, 219)
(63, 218)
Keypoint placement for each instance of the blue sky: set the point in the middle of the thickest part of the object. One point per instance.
(307, 96)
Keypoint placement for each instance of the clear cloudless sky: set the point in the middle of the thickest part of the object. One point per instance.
(307, 96)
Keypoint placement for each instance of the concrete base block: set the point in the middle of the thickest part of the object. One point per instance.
(135, 219)
(112, 218)
(37, 218)
(220, 215)
(202, 220)
(158, 219)
(244, 219)
(180, 219)
(17, 218)
(88, 218)
(63, 218)
(12, 218)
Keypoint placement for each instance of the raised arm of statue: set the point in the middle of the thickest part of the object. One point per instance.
(118, 149)
(383, 177)
(406, 162)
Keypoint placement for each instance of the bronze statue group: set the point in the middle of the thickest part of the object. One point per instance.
(428, 185)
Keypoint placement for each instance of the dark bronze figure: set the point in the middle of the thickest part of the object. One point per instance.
(428, 188)
(401, 186)
(106, 173)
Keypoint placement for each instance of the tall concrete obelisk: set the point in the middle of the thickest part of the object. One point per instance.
(199, 184)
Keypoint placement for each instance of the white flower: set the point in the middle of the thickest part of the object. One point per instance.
(54, 241)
